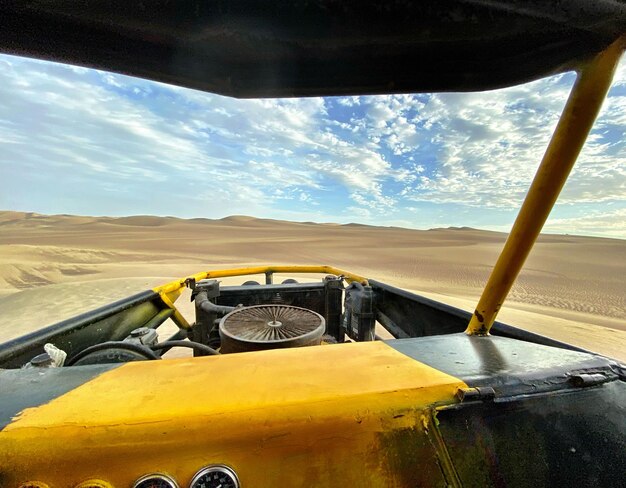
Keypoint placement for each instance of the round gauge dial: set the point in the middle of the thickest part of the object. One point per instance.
(155, 481)
(215, 476)
(94, 484)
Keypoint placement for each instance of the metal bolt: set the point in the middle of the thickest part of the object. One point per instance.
(141, 331)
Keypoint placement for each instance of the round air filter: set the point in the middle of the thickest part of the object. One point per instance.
(270, 327)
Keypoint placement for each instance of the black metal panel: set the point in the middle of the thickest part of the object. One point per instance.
(305, 295)
(504, 330)
(248, 48)
(112, 322)
(568, 439)
(508, 365)
(415, 315)
(24, 388)
(332, 313)
(405, 314)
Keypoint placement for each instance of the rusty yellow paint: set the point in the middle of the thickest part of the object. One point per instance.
(569, 136)
(347, 414)
(224, 273)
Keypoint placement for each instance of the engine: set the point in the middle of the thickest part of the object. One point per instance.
(254, 317)
(245, 318)
(270, 327)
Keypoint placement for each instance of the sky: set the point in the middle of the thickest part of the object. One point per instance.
(80, 141)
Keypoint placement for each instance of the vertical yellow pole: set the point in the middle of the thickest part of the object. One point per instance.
(580, 112)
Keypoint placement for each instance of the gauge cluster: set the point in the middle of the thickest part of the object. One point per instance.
(211, 476)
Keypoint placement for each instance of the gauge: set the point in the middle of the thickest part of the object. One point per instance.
(155, 481)
(215, 476)
(94, 484)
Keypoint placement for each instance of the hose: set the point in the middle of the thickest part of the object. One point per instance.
(208, 306)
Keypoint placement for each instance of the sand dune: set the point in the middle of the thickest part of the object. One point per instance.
(572, 288)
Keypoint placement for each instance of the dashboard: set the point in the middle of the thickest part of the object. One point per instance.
(356, 412)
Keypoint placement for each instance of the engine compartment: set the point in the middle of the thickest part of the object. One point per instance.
(255, 317)
(245, 318)
(340, 307)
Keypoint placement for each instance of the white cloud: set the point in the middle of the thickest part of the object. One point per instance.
(96, 133)
(490, 145)
(607, 223)
(349, 101)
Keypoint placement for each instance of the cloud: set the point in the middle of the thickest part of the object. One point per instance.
(606, 223)
(77, 140)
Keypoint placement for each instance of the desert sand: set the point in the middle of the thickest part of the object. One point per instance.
(54, 266)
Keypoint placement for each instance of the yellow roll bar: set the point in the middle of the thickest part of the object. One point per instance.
(579, 114)
(169, 292)
(178, 285)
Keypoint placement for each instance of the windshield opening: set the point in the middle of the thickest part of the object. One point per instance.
(112, 184)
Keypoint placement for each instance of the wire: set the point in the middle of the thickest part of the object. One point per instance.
(193, 345)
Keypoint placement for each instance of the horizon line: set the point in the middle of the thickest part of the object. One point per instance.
(307, 222)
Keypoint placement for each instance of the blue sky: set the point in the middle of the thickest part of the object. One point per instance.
(80, 141)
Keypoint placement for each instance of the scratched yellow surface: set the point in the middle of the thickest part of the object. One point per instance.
(314, 416)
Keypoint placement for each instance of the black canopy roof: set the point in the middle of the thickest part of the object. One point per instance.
(273, 48)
